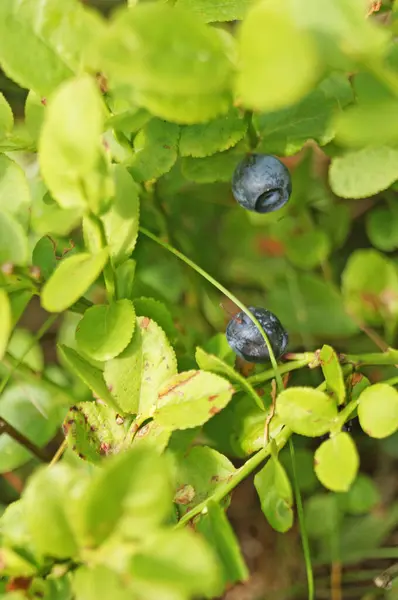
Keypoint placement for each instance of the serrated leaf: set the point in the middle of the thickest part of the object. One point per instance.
(191, 398)
(136, 375)
(131, 495)
(364, 172)
(218, 167)
(13, 241)
(106, 330)
(74, 275)
(276, 496)
(215, 136)
(5, 323)
(271, 45)
(6, 117)
(45, 502)
(70, 151)
(93, 431)
(137, 50)
(217, 530)
(158, 312)
(15, 196)
(285, 132)
(332, 372)
(378, 410)
(210, 362)
(155, 148)
(306, 411)
(163, 568)
(186, 109)
(43, 256)
(89, 374)
(121, 221)
(337, 462)
(382, 228)
(370, 286)
(42, 41)
(198, 473)
(210, 11)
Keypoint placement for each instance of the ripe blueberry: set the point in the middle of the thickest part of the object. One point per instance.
(261, 183)
(246, 340)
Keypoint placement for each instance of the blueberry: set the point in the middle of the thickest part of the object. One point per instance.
(261, 183)
(246, 340)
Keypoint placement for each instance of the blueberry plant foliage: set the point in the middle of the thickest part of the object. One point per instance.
(117, 214)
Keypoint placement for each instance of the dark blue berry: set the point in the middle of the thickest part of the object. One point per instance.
(246, 340)
(261, 183)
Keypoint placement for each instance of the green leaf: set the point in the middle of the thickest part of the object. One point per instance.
(71, 154)
(45, 501)
(322, 515)
(276, 496)
(35, 111)
(6, 322)
(158, 312)
(13, 241)
(186, 109)
(24, 347)
(198, 474)
(155, 149)
(362, 125)
(317, 299)
(304, 464)
(15, 198)
(285, 132)
(137, 51)
(210, 362)
(216, 136)
(337, 462)
(99, 581)
(306, 411)
(42, 42)
(308, 249)
(332, 372)
(271, 45)
(218, 167)
(121, 221)
(175, 564)
(130, 495)
(382, 228)
(94, 430)
(124, 277)
(43, 256)
(136, 375)
(378, 410)
(106, 330)
(191, 398)
(369, 285)
(74, 275)
(364, 172)
(89, 374)
(19, 301)
(217, 530)
(209, 11)
(219, 346)
(362, 496)
(151, 433)
(6, 117)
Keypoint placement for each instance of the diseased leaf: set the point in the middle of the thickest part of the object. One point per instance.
(158, 312)
(191, 398)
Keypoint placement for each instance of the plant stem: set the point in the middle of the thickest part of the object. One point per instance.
(5, 427)
(303, 531)
(245, 470)
(392, 381)
(226, 292)
(59, 452)
(43, 329)
(374, 358)
(285, 368)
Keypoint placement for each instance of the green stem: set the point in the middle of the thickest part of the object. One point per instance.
(7, 428)
(223, 290)
(303, 530)
(239, 475)
(282, 369)
(392, 381)
(43, 329)
(344, 415)
(373, 358)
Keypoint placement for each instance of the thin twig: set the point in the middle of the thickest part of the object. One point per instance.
(271, 412)
(5, 427)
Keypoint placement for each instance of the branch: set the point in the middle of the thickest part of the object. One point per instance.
(5, 427)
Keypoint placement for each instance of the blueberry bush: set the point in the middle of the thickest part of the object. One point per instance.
(198, 292)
